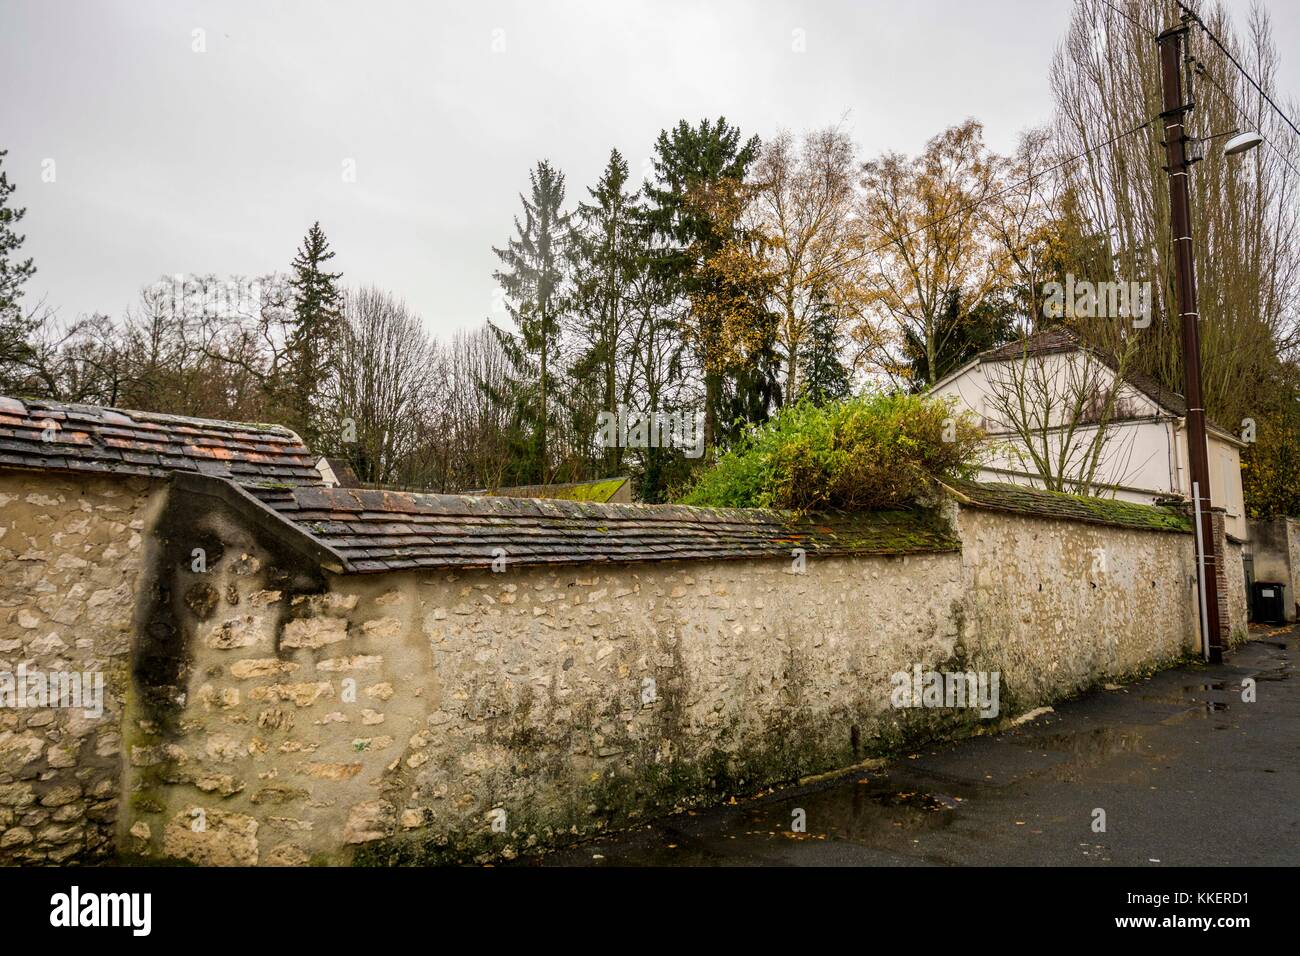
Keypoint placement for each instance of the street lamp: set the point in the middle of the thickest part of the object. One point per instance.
(1242, 142)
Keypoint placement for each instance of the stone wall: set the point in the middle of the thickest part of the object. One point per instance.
(1238, 605)
(401, 715)
(1061, 605)
(71, 555)
(418, 717)
(264, 711)
(1275, 552)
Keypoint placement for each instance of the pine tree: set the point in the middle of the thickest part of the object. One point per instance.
(14, 326)
(536, 297)
(959, 335)
(699, 170)
(750, 394)
(824, 378)
(315, 330)
(607, 254)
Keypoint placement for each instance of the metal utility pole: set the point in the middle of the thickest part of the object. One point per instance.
(1174, 116)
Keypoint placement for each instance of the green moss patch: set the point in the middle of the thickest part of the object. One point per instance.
(1053, 504)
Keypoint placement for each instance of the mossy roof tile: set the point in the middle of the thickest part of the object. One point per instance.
(375, 530)
(1021, 499)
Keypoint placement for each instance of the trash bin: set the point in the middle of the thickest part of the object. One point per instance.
(1267, 602)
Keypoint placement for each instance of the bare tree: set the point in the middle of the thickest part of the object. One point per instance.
(1022, 218)
(1246, 211)
(1054, 414)
(804, 209)
(388, 381)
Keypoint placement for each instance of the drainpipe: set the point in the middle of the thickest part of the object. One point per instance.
(1175, 459)
(1200, 574)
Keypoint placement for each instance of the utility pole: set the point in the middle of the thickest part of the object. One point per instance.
(1175, 116)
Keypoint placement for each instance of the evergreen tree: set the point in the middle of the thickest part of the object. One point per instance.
(750, 394)
(533, 279)
(824, 378)
(960, 336)
(14, 272)
(311, 345)
(607, 254)
(699, 170)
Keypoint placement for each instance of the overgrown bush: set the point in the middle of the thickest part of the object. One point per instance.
(875, 451)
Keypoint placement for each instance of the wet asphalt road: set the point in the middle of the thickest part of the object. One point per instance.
(1186, 773)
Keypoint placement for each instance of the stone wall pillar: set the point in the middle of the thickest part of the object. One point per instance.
(1221, 574)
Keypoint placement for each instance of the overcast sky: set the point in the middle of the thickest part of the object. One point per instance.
(168, 160)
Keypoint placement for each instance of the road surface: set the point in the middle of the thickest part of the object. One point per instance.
(1186, 772)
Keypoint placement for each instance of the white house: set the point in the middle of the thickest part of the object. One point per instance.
(1043, 402)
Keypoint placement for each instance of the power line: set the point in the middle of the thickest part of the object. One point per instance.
(1114, 139)
(1191, 14)
(1247, 117)
(1241, 69)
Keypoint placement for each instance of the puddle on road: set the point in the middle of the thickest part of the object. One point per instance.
(1090, 745)
(1195, 706)
(1084, 750)
(1282, 673)
(876, 809)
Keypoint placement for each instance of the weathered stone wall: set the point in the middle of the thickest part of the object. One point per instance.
(71, 556)
(266, 712)
(1238, 615)
(392, 714)
(1057, 606)
(396, 717)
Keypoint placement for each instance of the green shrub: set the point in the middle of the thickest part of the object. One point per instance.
(875, 451)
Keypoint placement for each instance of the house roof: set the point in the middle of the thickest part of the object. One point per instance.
(374, 530)
(1055, 339)
(38, 433)
(341, 469)
(1059, 339)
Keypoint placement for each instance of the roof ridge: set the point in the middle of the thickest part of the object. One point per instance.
(142, 414)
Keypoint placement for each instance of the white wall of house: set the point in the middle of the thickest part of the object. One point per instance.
(327, 473)
(1146, 453)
